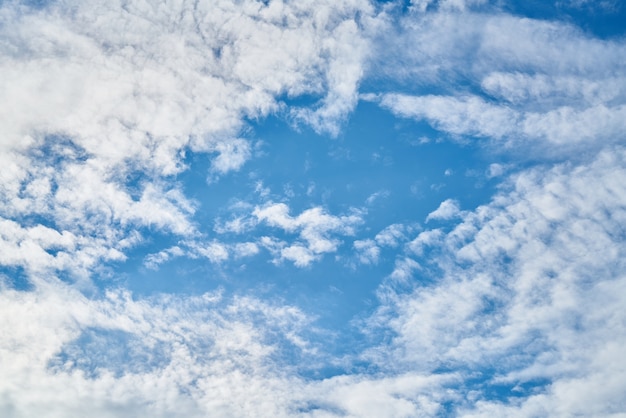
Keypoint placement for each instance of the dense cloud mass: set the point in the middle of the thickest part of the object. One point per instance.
(511, 304)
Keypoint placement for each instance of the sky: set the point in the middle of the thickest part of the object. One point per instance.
(331, 208)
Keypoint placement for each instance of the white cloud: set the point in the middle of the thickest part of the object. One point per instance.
(212, 250)
(122, 355)
(382, 194)
(473, 116)
(101, 104)
(367, 251)
(423, 5)
(404, 269)
(300, 255)
(153, 261)
(176, 353)
(496, 170)
(103, 101)
(392, 235)
(448, 209)
(532, 282)
(348, 50)
(460, 116)
(232, 155)
(549, 95)
(316, 230)
(428, 238)
(245, 249)
(551, 90)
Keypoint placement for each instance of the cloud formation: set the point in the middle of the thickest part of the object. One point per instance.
(101, 109)
(511, 308)
(521, 283)
(314, 227)
(529, 85)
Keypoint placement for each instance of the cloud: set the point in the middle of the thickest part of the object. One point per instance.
(105, 101)
(102, 108)
(392, 235)
(460, 116)
(212, 250)
(472, 116)
(529, 87)
(448, 209)
(367, 251)
(119, 355)
(315, 229)
(521, 282)
(382, 194)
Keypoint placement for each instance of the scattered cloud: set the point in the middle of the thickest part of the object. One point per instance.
(525, 279)
(447, 210)
(315, 229)
(512, 308)
(381, 194)
(367, 251)
(103, 110)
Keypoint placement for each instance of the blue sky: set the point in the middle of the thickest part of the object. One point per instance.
(312, 209)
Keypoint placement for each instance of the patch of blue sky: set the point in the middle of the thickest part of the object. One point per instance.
(386, 167)
(395, 171)
(99, 350)
(15, 277)
(602, 19)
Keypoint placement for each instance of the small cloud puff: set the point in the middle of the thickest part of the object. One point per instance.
(316, 230)
(448, 209)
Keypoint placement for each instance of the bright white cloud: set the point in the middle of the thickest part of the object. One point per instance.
(448, 209)
(555, 98)
(532, 281)
(369, 250)
(202, 355)
(103, 102)
(316, 230)
(98, 94)
(473, 116)
(392, 235)
(163, 356)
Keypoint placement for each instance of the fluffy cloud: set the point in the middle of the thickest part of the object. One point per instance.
(448, 209)
(104, 100)
(529, 85)
(115, 355)
(103, 103)
(531, 282)
(368, 250)
(314, 226)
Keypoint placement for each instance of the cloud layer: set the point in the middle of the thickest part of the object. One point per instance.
(511, 308)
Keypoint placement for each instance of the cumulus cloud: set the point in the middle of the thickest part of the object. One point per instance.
(118, 354)
(125, 356)
(315, 228)
(392, 235)
(472, 116)
(104, 100)
(523, 281)
(448, 209)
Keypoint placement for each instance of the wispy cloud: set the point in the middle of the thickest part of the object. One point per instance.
(104, 102)
(525, 279)
(316, 230)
